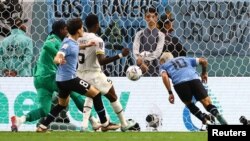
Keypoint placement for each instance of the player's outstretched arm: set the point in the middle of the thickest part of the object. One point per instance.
(89, 44)
(167, 84)
(103, 60)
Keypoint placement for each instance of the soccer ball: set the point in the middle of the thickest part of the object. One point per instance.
(133, 73)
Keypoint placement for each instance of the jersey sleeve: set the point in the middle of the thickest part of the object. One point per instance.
(50, 46)
(100, 47)
(193, 62)
(161, 69)
(64, 49)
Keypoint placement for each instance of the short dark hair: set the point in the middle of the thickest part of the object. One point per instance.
(73, 25)
(57, 26)
(91, 20)
(151, 10)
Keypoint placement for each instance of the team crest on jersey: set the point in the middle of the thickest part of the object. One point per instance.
(65, 46)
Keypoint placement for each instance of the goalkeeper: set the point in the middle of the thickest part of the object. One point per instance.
(44, 79)
(187, 84)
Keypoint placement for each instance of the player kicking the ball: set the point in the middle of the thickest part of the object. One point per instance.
(89, 69)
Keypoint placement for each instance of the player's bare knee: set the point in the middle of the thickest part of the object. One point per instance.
(206, 101)
(112, 97)
(63, 102)
(92, 92)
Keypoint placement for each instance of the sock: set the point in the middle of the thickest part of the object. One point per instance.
(214, 111)
(35, 115)
(196, 112)
(23, 119)
(99, 108)
(93, 119)
(53, 114)
(87, 111)
(119, 111)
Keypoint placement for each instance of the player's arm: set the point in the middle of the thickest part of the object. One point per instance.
(50, 46)
(203, 62)
(103, 60)
(89, 44)
(60, 58)
(100, 53)
(167, 84)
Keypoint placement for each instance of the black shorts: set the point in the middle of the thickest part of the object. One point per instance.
(77, 85)
(187, 90)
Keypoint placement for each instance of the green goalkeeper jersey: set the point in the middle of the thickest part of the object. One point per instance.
(45, 66)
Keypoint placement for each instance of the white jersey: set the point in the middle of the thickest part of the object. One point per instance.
(89, 68)
(87, 57)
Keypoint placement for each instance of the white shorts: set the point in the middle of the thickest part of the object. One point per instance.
(96, 78)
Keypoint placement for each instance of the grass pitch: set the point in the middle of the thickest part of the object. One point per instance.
(100, 136)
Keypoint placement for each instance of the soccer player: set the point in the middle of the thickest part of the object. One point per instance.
(89, 69)
(187, 84)
(44, 78)
(67, 81)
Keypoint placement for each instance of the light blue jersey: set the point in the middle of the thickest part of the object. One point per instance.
(68, 71)
(180, 69)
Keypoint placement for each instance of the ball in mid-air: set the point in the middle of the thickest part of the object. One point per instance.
(134, 73)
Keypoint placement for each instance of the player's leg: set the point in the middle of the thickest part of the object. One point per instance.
(206, 102)
(117, 107)
(88, 104)
(85, 106)
(202, 96)
(106, 87)
(99, 81)
(45, 88)
(62, 104)
(63, 99)
(44, 98)
(184, 92)
(80, 86)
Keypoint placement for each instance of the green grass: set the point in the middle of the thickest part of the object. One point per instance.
(107, 136)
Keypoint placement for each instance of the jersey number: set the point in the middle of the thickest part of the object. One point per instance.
(179, 63)
(81, 58)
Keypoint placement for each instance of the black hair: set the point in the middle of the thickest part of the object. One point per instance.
(57, 26)
(151, 10)
(73, 25)
(91, 21)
